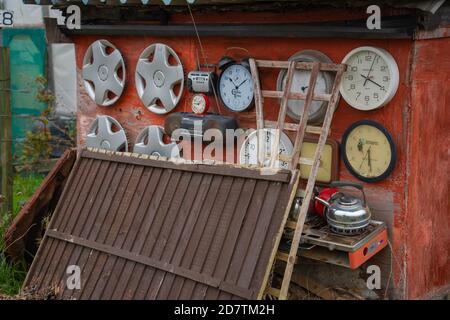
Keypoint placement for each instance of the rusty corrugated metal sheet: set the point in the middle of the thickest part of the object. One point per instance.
(147, 229)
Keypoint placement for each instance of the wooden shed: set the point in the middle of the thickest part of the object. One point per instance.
(413, 201)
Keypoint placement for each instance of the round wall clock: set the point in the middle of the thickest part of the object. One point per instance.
(249, 150)
(236, 86)
(368, 151)
(200, 103)
(300, 84)
(371, 79)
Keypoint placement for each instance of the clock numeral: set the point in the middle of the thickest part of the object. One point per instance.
(385, 79)
(383, 68)
(367, 98)
(368, 58)
(358, 94)
(352, 87)
(376, 96)
(354, 69)
(350, 77)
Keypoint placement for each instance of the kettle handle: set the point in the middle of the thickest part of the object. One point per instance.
(339, 184)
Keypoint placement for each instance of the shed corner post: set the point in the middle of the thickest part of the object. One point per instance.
(6, 200)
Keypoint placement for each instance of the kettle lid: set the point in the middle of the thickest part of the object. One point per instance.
(347, 200)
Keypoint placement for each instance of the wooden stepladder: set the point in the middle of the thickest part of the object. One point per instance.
(301, 129)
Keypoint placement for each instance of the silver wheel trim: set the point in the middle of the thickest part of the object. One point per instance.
(307, 56)
(156, 80)
(101, 135)
(100, 73)
(155, 145)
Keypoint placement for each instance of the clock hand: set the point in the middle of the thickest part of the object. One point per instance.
(369, 160)
(234, 84)
(368, 79)
(241, 84)
(370, 70)
(367, 153)
(360, 145)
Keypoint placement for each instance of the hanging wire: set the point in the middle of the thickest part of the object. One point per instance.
(203, 55)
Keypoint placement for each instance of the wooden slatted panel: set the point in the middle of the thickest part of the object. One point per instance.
(146, 229)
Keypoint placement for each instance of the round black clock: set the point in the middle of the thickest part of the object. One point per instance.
(235, 86)
(368, 151)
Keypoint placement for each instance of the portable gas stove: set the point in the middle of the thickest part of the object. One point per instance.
(320, 243)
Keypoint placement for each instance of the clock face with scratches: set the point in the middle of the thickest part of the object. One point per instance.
(249, 150)
(236, 87)
(371, 79)
(300, 84)
(368, 151)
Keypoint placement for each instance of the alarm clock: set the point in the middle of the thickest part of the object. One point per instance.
(200, 103)
(235, 85)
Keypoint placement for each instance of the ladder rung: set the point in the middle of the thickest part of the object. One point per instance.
(283, 256)
(295, 95)
(293, 127)
(298, 65)
(304, 161)
(273, 292)
(291, 224)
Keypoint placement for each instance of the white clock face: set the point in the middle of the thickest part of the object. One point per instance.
(371, 79)
(236, 88)
(199, 104)
(300, 84)
(249, 150)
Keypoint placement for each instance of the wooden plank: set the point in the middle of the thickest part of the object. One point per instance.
(113, 251)
(280, 175)
(259, 103)
(298, 65)
(193, 244)
(295, 95)
(138, 233)
(273, 292)
(295, 181)
(21, 237)
(281, 116)
(315, 287)
(6, 191)
(183, 289)
(293, 127)
(304, 120)
(311, 183)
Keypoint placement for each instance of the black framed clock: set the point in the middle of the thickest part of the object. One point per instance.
(235, 85)
(368, 151)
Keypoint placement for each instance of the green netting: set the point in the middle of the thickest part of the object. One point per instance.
(27, 59)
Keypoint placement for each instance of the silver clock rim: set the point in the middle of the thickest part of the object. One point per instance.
(309, 55)
(394, 74)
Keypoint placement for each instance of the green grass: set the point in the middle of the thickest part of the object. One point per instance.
(12, 277)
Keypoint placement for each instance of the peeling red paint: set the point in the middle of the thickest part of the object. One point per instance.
(416, 117)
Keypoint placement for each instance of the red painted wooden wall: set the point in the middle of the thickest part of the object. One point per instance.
(413, 200)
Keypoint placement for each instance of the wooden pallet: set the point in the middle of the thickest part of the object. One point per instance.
(301, 128)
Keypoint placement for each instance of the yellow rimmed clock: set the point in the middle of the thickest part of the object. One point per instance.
(368, 151)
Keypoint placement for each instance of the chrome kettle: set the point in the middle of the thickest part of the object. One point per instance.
(345, 213)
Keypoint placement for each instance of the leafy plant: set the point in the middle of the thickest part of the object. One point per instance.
(37, 146)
